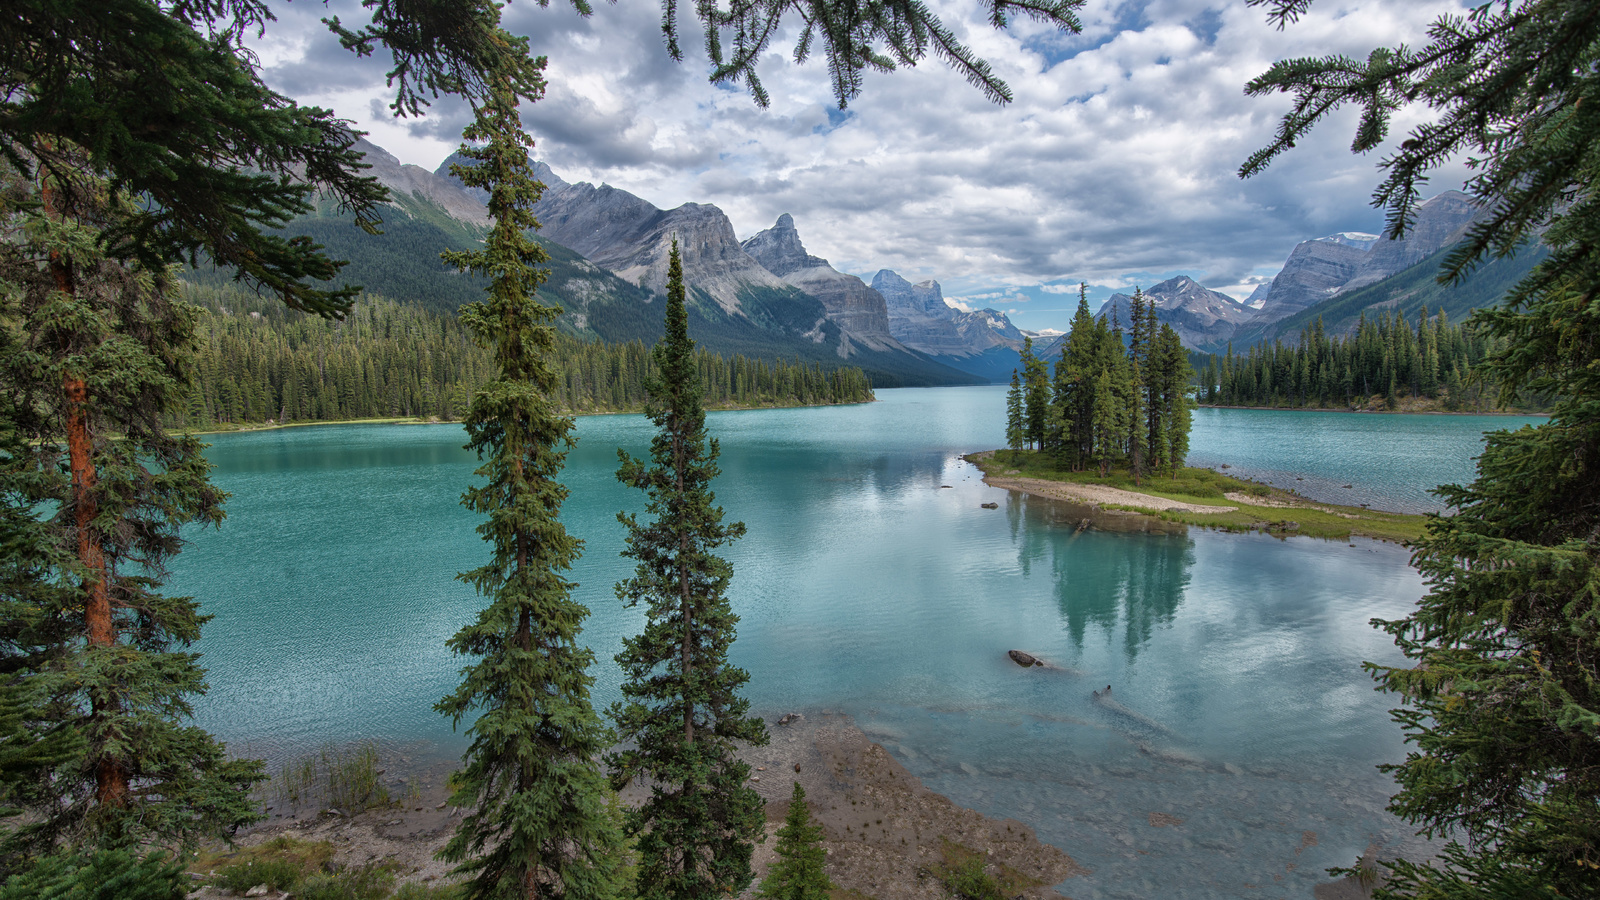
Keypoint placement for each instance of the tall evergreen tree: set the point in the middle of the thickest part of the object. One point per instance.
(1014, 421)
(682, 711)
(1075, 391)
(1035, 395)
(1502, 702)
(800, 872)
(1155, 387)
(538, 824)
(1138, 345)
(1171, 360)
(97, 350)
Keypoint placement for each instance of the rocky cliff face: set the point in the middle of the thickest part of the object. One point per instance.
(632, 238)
(920, 318)
(779, 250)
(1319, 269)
(1441, 222)
(1258, 297)
(1314, 271)
(1204, 319)
(858, 309)
(409, 181)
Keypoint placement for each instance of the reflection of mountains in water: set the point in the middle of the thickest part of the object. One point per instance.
(1112, 569)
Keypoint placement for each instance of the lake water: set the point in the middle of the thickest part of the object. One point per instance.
(1384, 460)
(866, 587)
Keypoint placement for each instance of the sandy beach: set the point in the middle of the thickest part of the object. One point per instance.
(1098, 494)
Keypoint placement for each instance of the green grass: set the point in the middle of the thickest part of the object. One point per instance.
(306, 870)
(968, 875)
(1204, 487)
(344, 778)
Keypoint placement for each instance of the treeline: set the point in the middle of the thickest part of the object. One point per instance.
(1386, 357)
(260, 362)
(1114, 400)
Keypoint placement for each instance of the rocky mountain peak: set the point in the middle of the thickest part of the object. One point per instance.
(1258, 297)
(1357, 239)
(779, 250)
(408, 181)
(1203, 318)
(931, 296)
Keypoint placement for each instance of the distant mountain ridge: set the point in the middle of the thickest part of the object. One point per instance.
(983, 342)
(1338, 278)
(858, 309)
(1319, 269)
(1204, 319)
(736, 306)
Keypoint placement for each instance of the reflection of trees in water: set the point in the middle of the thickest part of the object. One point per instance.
(1102, 577)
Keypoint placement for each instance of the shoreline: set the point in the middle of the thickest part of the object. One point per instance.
(1378, 412)
(435, 420)
(1234, 511)
(885, 834)
(850, 781)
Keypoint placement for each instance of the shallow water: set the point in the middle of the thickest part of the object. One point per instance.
(1387, 460)
(866, 587)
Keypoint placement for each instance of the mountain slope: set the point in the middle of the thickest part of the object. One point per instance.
(769, 319)
(1325, 267)
(1408, 292)
(1203, 318)
(857, 309)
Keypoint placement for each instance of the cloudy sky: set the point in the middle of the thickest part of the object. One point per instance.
(1116, 163)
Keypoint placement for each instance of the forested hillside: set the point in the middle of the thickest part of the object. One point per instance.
(403, 263)
(259, 362)
(1386, 358)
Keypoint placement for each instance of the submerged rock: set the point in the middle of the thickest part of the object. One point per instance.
(1024, 659)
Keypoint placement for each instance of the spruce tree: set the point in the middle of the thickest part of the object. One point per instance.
(96, 353)
(538, 824)
(1075, 382)
(1138, 339)
(1501, 700)
(800, 871)
(1176, 373)
(682, 714)
(1035, 395)
(1155, 407)
(1014, 425)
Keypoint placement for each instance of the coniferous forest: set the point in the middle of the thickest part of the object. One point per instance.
(1115, 400)
(1386, 358)
(258, 362)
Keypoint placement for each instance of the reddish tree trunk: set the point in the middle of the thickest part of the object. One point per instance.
(111, 776)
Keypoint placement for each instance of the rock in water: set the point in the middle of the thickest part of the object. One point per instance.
(990, 505)
(1024, 659)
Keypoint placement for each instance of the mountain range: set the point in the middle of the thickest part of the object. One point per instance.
(1338, 278)
(766, 296)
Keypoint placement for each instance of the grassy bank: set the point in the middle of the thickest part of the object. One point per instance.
(1254, 506)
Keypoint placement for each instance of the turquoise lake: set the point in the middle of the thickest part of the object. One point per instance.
(867, 588)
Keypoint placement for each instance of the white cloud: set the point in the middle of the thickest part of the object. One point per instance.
(1115, 165)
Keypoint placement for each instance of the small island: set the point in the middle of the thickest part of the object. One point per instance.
(1194, 496)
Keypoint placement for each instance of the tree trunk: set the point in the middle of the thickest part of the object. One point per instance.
(111, 776)
(683, 591)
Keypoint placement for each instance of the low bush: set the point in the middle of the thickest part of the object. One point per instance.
(277, 874)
